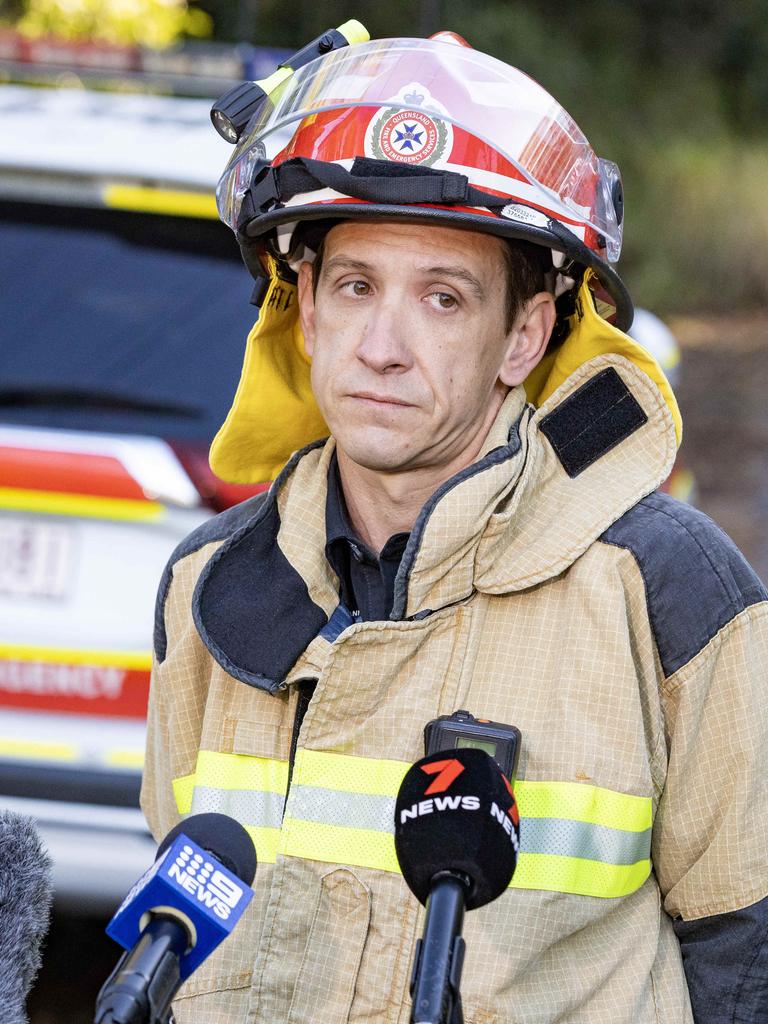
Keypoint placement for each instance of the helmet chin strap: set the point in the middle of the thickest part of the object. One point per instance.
(563, 282)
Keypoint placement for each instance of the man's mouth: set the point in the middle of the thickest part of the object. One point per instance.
(370, 396)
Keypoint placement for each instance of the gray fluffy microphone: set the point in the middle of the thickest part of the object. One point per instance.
(26, 891)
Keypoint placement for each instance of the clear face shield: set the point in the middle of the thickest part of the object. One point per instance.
(509, 115)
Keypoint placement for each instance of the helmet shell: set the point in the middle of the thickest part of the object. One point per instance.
(392, 109)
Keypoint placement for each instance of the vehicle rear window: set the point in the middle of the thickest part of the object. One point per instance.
(117, 321)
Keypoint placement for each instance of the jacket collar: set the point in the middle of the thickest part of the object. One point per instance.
(518, 516)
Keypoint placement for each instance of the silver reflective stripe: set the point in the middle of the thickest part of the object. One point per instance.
(554, 836)
(353, 810)
(565, 838)
(251, 807)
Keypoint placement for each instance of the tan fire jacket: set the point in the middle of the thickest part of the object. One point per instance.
(547, 586)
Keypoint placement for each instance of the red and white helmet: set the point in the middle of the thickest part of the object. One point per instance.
(424, 130)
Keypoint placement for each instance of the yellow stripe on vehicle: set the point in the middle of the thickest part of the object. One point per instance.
(132, 660)
(80, 505)
(163, 201)
(25, 750)
(125, 759)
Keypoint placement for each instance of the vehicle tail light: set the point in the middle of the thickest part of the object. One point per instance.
(215, 493)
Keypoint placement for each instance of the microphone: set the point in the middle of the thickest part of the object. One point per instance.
(174, 917)
(26, 891)
(457, 837)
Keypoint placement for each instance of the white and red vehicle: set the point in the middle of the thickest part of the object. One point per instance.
(123, 313)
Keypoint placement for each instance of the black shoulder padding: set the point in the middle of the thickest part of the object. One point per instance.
(696, 579)
(216, 528)
(252, 608)
(595, 418)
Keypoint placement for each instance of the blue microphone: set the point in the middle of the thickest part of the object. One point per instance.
(174, 917)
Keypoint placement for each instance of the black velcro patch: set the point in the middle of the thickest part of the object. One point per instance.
(596, 417)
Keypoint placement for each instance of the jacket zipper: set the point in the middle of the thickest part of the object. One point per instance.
(306, 689)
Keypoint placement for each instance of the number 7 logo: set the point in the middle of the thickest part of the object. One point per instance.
(446, 771)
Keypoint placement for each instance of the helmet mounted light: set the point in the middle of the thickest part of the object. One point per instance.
(231, 113)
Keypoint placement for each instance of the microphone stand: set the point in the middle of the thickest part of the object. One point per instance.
(435, 994)
(140, 988)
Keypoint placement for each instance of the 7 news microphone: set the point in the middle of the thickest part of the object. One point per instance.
(174, 917)
(26, 891)
(457, 835)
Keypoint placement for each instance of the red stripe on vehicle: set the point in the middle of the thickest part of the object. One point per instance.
(36, 469)
(75, 689)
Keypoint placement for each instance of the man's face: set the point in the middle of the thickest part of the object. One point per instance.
(411, 356)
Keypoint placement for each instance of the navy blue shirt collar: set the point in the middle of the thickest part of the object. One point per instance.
(367, 582)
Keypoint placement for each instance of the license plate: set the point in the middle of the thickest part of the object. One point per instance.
(35, 558)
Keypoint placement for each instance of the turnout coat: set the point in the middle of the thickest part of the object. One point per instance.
(547, 586)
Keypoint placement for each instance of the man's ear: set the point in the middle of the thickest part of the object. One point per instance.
(307, 307)
(527, 341)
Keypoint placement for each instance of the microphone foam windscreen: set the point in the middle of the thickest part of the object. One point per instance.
(221, 836)
(26, 891)
(455, 812)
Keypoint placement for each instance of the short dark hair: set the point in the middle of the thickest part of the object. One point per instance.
(526, 264)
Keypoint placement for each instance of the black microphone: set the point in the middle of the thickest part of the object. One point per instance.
(26, 891)
(457, 836)
(177, 913)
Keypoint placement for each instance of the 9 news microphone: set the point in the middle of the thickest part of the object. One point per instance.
(174, 917)
(25, 906)
(457, 835)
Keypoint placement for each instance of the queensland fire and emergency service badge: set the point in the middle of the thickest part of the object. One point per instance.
(408, 136)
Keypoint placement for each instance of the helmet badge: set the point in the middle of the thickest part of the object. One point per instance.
(407, 136)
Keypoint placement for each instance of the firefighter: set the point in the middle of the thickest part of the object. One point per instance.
(466, 449)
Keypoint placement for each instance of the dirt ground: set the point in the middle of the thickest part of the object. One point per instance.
(722, 393)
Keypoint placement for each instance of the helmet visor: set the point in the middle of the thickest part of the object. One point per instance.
(469, 90)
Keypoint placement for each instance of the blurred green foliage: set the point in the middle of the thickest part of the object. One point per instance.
(676, 91)
(155, 23)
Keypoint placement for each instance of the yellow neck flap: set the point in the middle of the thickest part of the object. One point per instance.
(274, 411)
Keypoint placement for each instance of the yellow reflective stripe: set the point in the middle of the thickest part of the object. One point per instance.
(160, 200)
(583, 818)
(581, 877)
(349, 774)
(266, 841)
(230, 772)
(24, 750)
(183, 790)
(81, 505)
(574, 800)
(580, 802)
(334, 844)
(240, 771)
(136, 660)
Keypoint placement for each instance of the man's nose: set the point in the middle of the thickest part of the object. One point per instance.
(385, 343)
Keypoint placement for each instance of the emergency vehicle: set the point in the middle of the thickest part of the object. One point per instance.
(124, 309)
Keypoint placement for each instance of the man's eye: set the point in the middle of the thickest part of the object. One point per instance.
(356, 287)
(445, 300)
